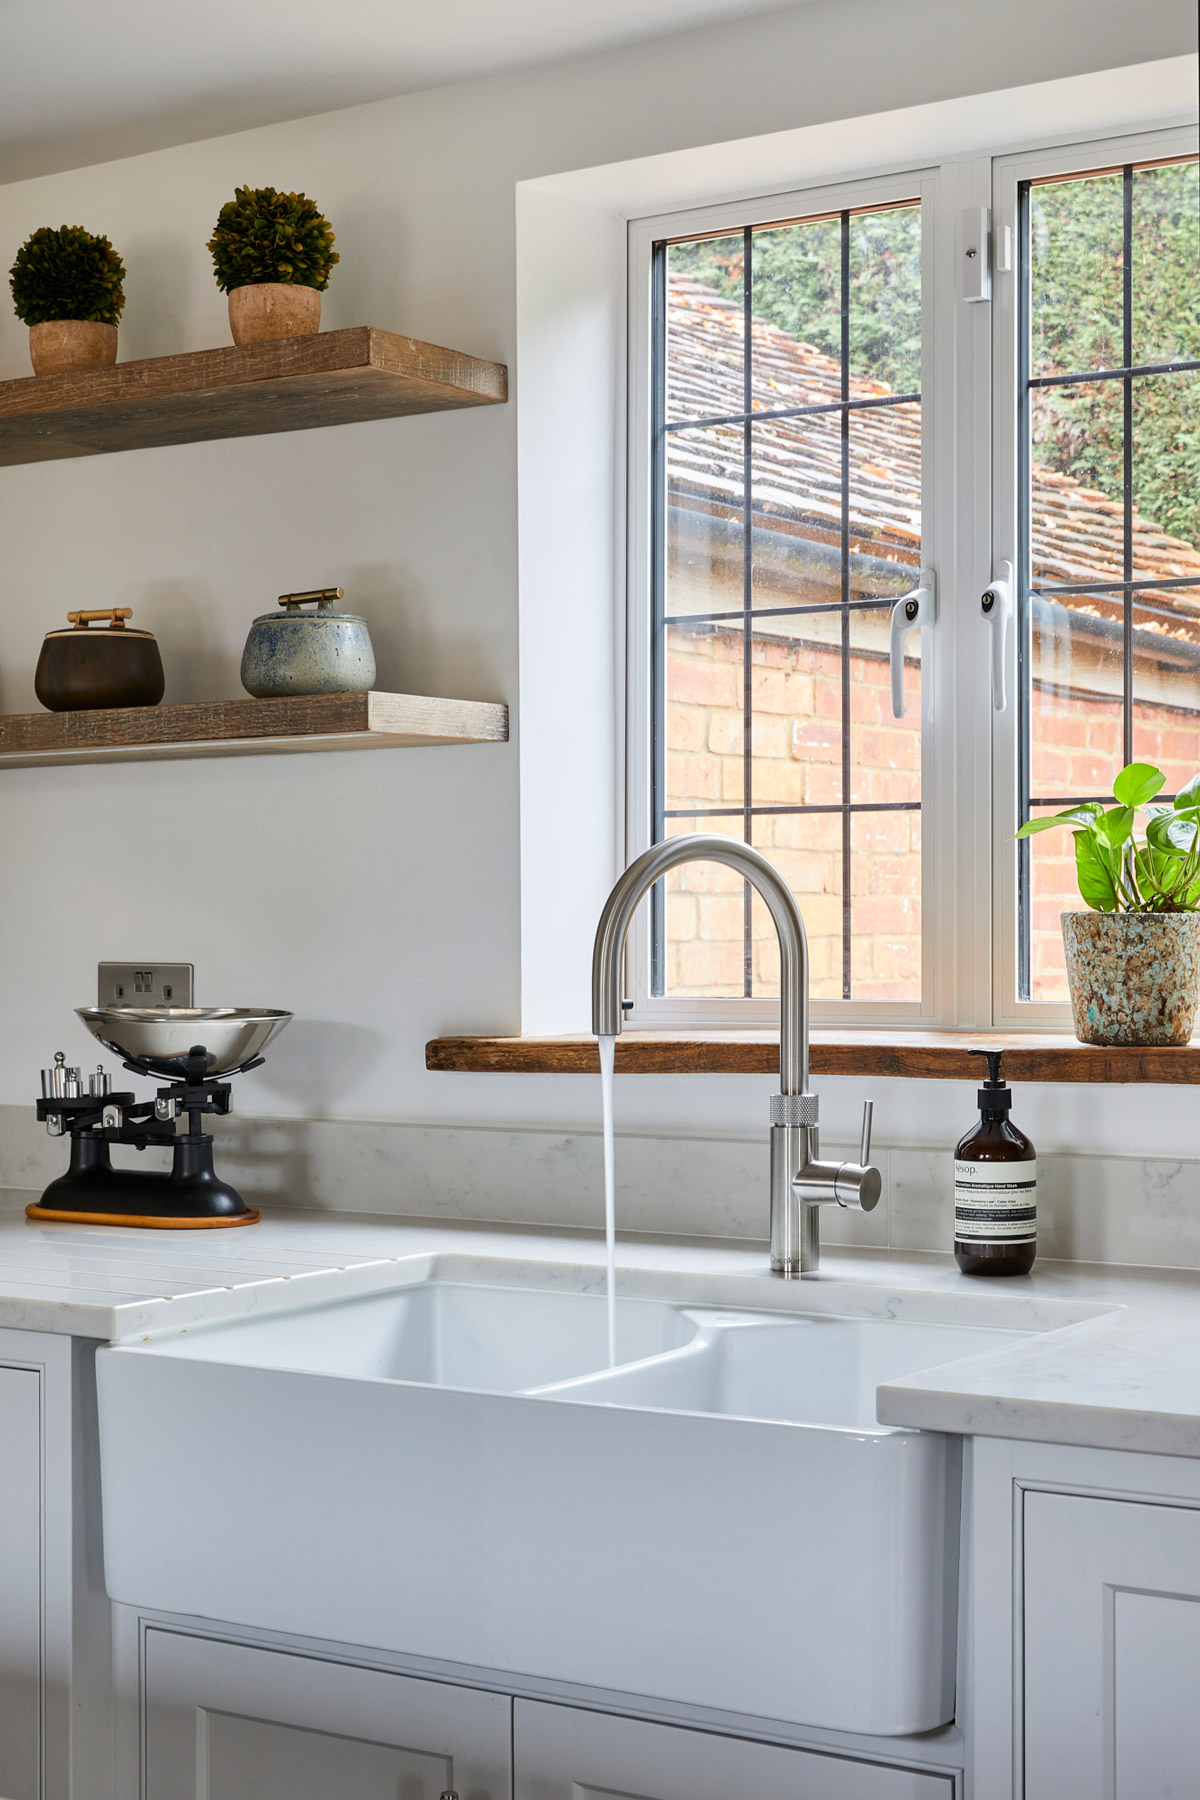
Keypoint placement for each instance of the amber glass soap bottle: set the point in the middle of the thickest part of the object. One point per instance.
(995, 1186)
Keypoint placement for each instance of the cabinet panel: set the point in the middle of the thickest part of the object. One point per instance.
(563, 1753)
(1156, 1681)
(1112, 1648)
(289, 1762)
(20, 1584)
(224, 1721)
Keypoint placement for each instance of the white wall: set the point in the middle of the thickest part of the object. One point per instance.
(377, 895)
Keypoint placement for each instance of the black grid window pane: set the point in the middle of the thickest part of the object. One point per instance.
(787, 521)
(1109, 621)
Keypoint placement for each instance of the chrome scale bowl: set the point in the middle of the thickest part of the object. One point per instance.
(160, 1037)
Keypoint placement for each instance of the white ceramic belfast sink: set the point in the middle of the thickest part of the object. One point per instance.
(799, 1371)
(500, 1340)
(450, 1471)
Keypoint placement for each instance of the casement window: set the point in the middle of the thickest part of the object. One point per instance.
(821, 490)
(1098, 457)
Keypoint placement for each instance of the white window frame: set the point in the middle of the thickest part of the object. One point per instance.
(1009, 172)
(969, 498)
(938, 350)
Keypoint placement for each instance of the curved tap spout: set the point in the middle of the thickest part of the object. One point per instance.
(800, 1183)
(622, 903)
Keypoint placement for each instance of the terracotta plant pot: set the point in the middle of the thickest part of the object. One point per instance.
(1134, 977)
(63, 344)
(273, 309)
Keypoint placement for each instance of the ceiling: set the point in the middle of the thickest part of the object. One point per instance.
(81, 82)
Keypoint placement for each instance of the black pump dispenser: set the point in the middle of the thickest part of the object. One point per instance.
(995, 1096)
(995, 1185)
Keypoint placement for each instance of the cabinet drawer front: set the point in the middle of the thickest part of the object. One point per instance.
(1112, 1648)
(224, 1721)
(563, 1753)
(21, 1585)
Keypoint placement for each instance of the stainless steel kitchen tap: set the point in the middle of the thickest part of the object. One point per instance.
(800, 1183)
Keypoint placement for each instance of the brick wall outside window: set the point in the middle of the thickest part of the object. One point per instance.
(797, 760)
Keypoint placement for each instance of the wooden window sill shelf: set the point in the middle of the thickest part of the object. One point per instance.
(914, 1055)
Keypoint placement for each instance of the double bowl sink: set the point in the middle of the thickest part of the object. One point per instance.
(452, 1471)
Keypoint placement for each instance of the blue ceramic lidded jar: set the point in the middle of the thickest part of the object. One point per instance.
(296, 652)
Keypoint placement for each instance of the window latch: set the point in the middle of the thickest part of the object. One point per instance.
(910, 612)
(976, 270)
(996, 605)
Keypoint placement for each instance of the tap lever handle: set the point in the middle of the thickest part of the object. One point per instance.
(864, 1154)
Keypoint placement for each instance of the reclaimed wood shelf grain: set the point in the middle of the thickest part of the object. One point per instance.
(371, 721)
(912, 1055)
(289, 384)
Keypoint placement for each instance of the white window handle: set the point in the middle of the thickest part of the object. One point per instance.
(996, 605)
(910, 612)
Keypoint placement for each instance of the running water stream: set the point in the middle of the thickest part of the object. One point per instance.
(608, 1051)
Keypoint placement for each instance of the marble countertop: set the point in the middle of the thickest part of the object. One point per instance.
(1113, 1362)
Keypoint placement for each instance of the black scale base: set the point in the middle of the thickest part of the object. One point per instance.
(190, 1197)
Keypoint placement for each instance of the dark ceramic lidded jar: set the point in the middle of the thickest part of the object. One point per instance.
(84, 668)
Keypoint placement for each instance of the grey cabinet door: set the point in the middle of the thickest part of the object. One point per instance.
(20, 1584)
(1112, 1648)
(227, 1722)
(563, 1753)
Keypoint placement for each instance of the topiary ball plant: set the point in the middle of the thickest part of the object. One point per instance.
(263, 236)
(67, 274)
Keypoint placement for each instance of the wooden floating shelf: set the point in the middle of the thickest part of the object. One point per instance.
(247, 728)
(914, 1055)
(289, 384)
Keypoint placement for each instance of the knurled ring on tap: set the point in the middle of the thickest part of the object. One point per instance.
(793, 1109)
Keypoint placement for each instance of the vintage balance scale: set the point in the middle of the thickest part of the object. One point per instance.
(194, 1049)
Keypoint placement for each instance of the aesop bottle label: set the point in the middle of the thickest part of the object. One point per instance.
(996, 1201)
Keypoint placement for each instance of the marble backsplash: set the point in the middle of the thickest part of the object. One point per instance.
(1106, 1209)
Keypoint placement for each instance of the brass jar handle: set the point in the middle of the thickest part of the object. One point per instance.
(319, 594)
(116, 615)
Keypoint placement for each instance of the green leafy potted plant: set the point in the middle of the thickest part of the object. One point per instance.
(68, 287)
(1133, 961)
(272, 254)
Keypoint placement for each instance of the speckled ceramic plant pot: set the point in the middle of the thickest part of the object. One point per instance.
(1134, 977)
